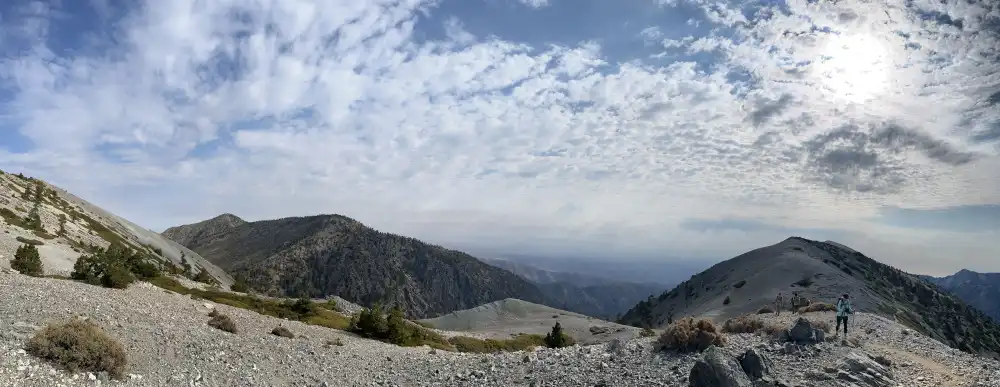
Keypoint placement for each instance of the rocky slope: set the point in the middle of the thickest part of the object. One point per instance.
(821, 271)
(66, 225)
(980, 290)
(168, 343)
(593, 296)
(324, 255)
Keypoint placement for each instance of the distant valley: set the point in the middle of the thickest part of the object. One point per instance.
(589, 295)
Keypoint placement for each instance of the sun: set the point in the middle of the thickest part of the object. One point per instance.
(853, 68)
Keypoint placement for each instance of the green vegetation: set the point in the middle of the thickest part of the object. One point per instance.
(557, 338)
(240, 285)
(299, 310)
(116, 267)
(204, 277)
(27, 261)
(394, 328)
(520, 342)
(646, 332)
(79, 345)
(11, 218)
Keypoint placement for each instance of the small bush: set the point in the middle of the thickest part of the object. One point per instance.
(743, 324)
(113, 267)
(765, 309)
(646, 332)
(557, 338)
(818, 307)
(78, 345)
(27, 241)
(740, 284)
(283, 332)
(726, 301)
(27, 261)
(222, 322)
(239, 285)
(773, 329)
(688, 335)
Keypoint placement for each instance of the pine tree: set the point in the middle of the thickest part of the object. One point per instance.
(556, 338)
(27, 261)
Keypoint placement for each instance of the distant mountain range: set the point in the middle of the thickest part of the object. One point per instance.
(821, 271)
(981, 290)
(585, 294)
(323, 255)
(665, 271)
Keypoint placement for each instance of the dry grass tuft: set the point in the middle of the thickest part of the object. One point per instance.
(688, 335)
(221, 322)
(78, 345)
(743, 324)
(818, 307)
(765, 309)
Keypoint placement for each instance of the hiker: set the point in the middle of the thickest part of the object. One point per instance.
(777, 305)
(844, 308)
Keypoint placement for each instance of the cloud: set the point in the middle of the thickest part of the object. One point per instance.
(583, 127)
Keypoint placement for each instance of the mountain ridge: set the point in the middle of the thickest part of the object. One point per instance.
(65, 226)
(332, 254)
(821, 272)
(980, 290)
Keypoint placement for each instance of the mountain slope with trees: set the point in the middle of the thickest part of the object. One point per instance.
(318, 256)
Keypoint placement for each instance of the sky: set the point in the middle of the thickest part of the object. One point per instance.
(625, 130)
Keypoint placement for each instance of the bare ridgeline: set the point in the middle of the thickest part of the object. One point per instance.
(158, 314)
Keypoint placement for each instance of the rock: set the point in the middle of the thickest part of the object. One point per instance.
(595, 330)
(881, 360)
(755, 364)
(801, 331)
(862, 370)
(716, 369)
(819, 335)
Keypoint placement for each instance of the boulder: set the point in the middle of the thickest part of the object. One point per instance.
(819, 335)
(801, 331)
(863, 371)
(755, 364)
(716, 369)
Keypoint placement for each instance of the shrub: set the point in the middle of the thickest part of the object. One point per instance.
(805, 282)
(114, 267)
(204, 277)
(743, 324)
(765, 309)
(27, 261)
(78, 345)
(646, 332)
(221, 321)
(239, 285)
(740, 284)
(282, 332)
(304, 307)
(33, 242)
(557, 338)
(818, 307)
(726, 301)
(688, 335)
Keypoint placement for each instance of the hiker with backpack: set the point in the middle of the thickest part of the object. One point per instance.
(844, 309)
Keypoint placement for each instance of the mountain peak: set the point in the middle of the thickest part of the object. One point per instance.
(229, 219)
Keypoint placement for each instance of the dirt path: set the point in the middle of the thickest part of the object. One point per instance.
(941, 372)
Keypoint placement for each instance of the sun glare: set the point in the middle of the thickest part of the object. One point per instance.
(853, 68)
